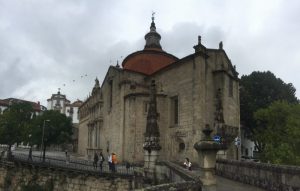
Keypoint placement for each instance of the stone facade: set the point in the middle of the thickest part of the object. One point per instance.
(199, 89)
(268, 176)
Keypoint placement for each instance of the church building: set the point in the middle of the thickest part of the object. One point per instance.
(193, 92)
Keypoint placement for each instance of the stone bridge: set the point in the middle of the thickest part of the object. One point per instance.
(21, 174)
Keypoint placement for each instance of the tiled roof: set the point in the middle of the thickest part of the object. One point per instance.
(148, 61)
(3, 103)
(77, 103)
(35, 106)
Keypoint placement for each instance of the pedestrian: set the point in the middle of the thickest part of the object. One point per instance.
(101, 159)
(114, 161)
(109, 160)
(30, 154)
(187, 164)
(96, 158)
(127, 166)
(67, 157)
(2, 154)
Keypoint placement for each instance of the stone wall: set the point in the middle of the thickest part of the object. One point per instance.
(268, 176)
(22, 177)
(15, 178)
(173, 177)
(178, 186)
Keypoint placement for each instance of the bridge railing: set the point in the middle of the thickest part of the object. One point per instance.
(71, 164)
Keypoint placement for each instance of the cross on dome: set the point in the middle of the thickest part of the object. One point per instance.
(153, 13)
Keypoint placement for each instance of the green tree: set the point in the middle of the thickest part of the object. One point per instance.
(259, 90)
(13, 123)
(53, 128)
(280, 135)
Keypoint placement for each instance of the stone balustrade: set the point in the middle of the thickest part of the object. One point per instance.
(268, 176)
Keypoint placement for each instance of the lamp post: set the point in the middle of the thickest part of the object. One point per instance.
(29, 140)
(237, 143)
(42, 145)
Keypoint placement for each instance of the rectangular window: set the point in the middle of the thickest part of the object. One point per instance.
(174, 110)
(146, 106)
(96, 137)
(89, 137)
(110, 93)
(230, 88)
(98, 141)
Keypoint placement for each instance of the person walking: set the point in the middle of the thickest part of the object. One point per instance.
(114, 161)
(101, 159)
(2, 155)
(187, 164)
(127, 167)
(30, 154)
(96, 158)
(67, 157)
(109, 160)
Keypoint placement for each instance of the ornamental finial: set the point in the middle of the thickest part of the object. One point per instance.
(153, 13)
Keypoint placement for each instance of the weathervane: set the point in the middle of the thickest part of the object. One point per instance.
(153, 13)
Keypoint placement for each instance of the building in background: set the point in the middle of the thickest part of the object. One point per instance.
(37, 107)
(248, 149)
(3, 105)
(192, 92)
(60, 103)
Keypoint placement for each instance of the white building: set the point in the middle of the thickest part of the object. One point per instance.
(60, 103)
(248, 148)
(72, 110)
(63, 105)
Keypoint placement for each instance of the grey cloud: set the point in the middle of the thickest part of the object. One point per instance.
(59, 41)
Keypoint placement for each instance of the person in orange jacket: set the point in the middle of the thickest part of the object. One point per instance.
(114, 161)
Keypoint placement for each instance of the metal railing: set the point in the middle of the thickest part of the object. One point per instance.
(73, 164)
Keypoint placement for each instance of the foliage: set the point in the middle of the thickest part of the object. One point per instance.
(259, 90)
(8, 180)
(57, 128)
(280, 133)
(34, 187)
(48, 186)
(13, 122)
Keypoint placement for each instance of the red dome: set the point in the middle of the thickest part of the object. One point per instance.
(152, 58)
(148, 61)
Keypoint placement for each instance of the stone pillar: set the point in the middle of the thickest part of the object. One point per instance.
(207, 151)
(150, 160)
(151, 145)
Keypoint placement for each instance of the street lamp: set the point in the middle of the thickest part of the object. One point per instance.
(42, 145)
(29, 140)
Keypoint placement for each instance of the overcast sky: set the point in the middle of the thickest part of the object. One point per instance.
(51, 44)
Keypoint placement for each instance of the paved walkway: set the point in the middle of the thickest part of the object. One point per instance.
(224, 184)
